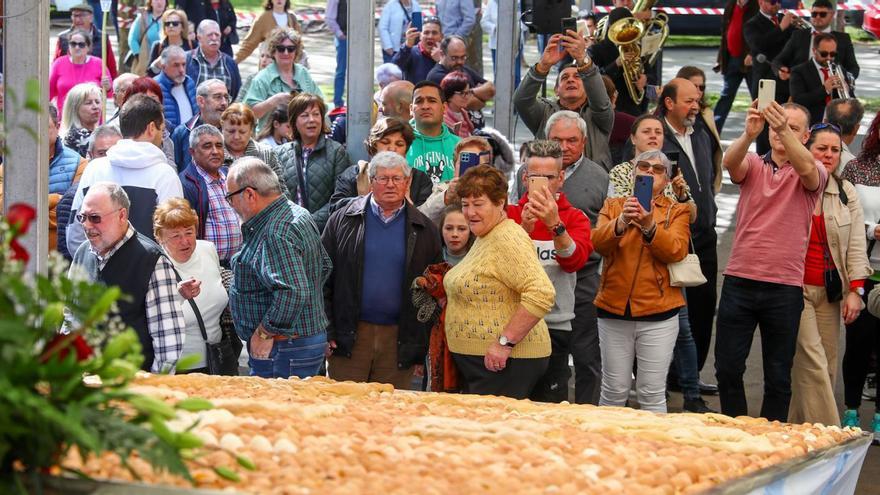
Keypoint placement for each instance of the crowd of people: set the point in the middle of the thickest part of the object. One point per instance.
(229, 208)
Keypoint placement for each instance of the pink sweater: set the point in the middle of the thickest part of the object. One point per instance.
(65, 74)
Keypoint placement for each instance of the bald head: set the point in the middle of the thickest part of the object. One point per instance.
(396, 99)
(680, 103)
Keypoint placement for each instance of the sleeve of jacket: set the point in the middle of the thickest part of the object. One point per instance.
(345, 190)
(849, 61)
(468, 18)
(111, 61)
(578, 227)
(134, 35)
(403, 57)
(786, 56)
(328, 239)
(857, 265)
(254, 37)
(330, 14)
(759, 40)
(232, 21)
(874, 301)
(423, 188)
(670, 244)
(802, 93)
(597, 97)
(603, 238)
(526, 103)
(235, 75)
(385, 28)
(434, 205)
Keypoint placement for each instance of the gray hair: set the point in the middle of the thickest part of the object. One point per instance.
(123, 82)
(204, 88)
(203, 130)
(845, 113)
(386, 74)
(205, 23)
(542, 148)
(566, 115)
(172, 51)
(654, 155)
(102, 131)
(254, 173)
(117, 194)
(388, 159)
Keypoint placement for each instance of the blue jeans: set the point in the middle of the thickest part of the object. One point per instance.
(339, 78)
(733, 76)
(294, 357)
(684, 358)
(776, 308)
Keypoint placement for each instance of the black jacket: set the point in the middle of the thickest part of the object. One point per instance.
(343, 238)
(765, 38)
(797, 51)
(750, 11)
(346, 187)
(807, 89)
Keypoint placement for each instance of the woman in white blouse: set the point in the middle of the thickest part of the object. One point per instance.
(174, 226)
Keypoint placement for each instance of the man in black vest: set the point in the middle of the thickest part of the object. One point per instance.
(116, 254)
(678, 106)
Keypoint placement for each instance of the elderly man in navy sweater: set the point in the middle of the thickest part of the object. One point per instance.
(379, 243)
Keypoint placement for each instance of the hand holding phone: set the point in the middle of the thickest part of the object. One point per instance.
(567, 23)
(766, 93)
(417, 20)
(537, 183)
(466, 160)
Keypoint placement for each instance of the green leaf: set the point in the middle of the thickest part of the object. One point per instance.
(188, 362)
(118, 368)
(227, 473)
(187, 440)
(32, 95)
(119, 345)
(152, 406)
(101, 307)
(194, 404)
(161, 430)
(53, 316)
(246, 463)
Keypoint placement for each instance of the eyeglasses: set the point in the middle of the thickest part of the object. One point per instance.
(384, 180)
(78, 44)
(173, 24)
(825, 54)
(657, 168)
(219, 97)
(233, 194)
(285, 48)
(825, 125)
(461, 58)
(466, 92)
(820, 14)
(93, 218)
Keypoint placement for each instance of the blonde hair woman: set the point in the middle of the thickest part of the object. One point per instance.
(81, 115)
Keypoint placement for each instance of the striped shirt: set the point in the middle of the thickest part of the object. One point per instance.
(208, 71)
(280, 273)
(221, 224)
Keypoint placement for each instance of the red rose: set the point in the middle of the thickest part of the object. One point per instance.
(20, 216)
(18, 252)
(60, 346)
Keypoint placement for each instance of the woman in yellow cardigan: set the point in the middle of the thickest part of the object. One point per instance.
(276, 15)
(497, 296)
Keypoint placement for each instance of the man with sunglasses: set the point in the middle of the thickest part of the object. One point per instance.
(117, 255)
(813, 83)
(799, 47)
(82, 17)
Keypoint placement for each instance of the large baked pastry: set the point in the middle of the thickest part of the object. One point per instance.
(319, 436)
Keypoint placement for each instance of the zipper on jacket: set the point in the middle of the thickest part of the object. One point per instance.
(635, 277)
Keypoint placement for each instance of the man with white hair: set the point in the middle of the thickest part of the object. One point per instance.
(117, 255)
(178, 89)
(379, 244)
(276, 297)
(208, 62)
(212, 99)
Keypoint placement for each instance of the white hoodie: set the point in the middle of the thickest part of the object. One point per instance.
(142, 170)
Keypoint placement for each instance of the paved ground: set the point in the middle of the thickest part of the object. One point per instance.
(322, 60)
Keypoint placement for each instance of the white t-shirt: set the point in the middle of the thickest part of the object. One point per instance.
(183, 105)
(203, 265)
(280, 19)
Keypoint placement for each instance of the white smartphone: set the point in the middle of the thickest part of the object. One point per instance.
(766, 93)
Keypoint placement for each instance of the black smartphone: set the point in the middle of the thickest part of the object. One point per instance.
(417, 20)
(643, 190)
(466, 160)
(568, 23)
(673, 157)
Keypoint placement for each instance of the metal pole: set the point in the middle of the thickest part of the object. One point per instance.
(361, 46)
(508, 44)
(26, 166)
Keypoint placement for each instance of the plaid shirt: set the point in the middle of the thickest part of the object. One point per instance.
(208, 71)
(165, 319)
(221, 223)
(280, 273)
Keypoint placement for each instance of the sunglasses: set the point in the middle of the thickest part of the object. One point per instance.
(820, 14)
(93, 218)
(825, 125)
(173, 24)
(285, 49)
(774, 2)
(702, 88)
(825, 54)
(431, 19)
(233, 194)
(658, 168)
(78, 44)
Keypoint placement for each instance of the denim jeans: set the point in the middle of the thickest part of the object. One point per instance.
(339, 78)
(776, 308)
(684, 358)
(733, 76)
(294, 357)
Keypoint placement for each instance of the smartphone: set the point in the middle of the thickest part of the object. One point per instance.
(417, 20)
(466, 160)
(766, 93)
(673, 157)
(536, 183)
(644, 190)
(565, 24)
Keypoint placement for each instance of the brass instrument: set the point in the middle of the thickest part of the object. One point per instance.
(844, 90)
(799, 22)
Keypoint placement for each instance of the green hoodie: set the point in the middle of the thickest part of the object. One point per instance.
(433, 155)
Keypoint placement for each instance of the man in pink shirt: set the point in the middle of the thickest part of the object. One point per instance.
(764, 276)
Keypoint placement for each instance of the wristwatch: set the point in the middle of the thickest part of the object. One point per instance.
(558, 230)
(505, 341)
(650, 230)
(584, 64)
(860, 291)
(263, 335)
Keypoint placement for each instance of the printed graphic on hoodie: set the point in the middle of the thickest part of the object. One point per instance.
(437, 165)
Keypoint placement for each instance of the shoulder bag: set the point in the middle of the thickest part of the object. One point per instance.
(687, 272)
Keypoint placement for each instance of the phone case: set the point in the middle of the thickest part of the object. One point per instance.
(643, 190)
(766, 93)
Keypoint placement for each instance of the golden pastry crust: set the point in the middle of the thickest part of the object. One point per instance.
(320, 436)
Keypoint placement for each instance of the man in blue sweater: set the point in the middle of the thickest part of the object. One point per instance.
(379, 243)
(421, 51)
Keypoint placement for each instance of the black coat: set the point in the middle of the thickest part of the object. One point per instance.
(346, 188)
(343, 238)
(751, 10)
(797, 51)
(199, 10)
(765, 38)
(807, 89)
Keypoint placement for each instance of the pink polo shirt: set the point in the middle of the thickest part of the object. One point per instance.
(773, 223)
